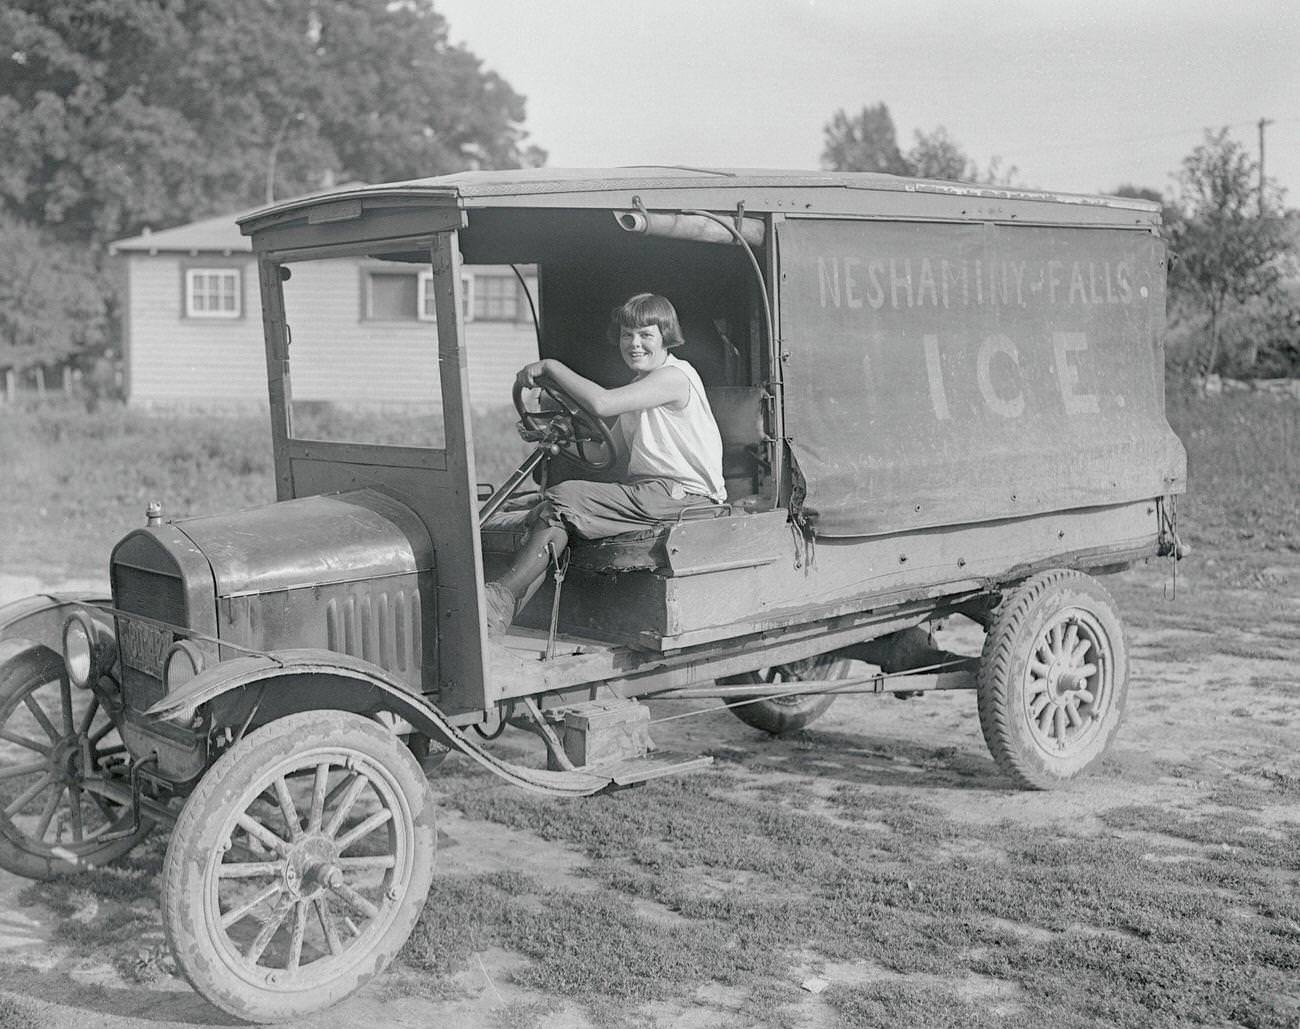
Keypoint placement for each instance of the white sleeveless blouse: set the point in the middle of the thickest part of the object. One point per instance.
(684, 446)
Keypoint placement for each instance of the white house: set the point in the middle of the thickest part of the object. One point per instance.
(192, 324)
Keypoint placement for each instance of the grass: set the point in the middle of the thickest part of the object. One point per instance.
(1074, 929)
(77, 482)
(1243, 471)
(14, 1015)
(748, 881)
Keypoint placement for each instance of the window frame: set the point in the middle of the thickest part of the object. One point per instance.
(190, 273)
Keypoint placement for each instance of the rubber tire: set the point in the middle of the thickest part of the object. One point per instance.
(1006, 693)
(26, 667)
(229, 787)
(791, 713)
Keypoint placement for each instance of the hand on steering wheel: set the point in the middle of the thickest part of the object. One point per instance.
(581, 436)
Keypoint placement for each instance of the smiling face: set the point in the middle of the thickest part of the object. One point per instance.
(642, 348)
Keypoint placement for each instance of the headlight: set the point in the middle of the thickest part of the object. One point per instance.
(183, 663)
(81, 651)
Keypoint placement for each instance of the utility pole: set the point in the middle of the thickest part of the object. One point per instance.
(1263, 123)
(296, 116)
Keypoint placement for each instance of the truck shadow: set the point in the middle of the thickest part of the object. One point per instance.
(865, 760)
(59, 987)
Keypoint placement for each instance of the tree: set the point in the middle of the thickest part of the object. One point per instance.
(1227, 246)
(865, 142)
(937, 156)
(868, 142)
(125, 114)
(51, 306)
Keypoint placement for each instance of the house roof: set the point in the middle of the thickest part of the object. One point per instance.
(219, 234)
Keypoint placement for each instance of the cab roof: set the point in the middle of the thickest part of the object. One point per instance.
(677, 187)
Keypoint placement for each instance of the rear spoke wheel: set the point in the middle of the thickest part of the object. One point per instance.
(787, 712)
(1053, 678)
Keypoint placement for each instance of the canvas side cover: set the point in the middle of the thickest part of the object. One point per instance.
(942, 374)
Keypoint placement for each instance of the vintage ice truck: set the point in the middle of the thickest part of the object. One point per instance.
(937, 400)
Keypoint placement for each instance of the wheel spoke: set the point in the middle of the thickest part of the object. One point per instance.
(249, 869)
(327, 924)
(1072, 713)
(299, 930)
(13, 771)
(47, 815)
(350, 795)
(25, 742)
(1040, 702)
(369, 825)
(287, 809)
(261, 833)
(65, 697)
(268, 930)
(1038, 669)
(318, 796)
(74, 807)
(1045, 717)
(92, 709)
(1058, 722)
(1080, 648)
(355, 899)
(1071, 637)
(240, 913)
(33, 705)
(21, 801)
(367, 861)
(1085, 696)
(1087, 671)
(101, 732)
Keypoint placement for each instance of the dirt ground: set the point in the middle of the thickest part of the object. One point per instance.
(1214, 704)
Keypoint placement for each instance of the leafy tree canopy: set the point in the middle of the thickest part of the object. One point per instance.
(864, 142)
(868, 142)
(937, 156)
(126, 113)
(1230, 239)
(51, 304)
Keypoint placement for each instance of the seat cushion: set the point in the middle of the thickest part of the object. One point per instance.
(504, 533)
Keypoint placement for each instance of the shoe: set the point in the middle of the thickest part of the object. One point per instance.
(500, 609)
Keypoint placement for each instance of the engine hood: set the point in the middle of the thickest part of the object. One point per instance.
(313, 541)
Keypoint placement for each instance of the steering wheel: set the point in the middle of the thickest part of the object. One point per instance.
(574, 427)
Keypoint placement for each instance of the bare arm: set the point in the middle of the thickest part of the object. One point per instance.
(663, 386)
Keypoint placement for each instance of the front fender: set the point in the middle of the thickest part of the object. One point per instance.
(297, 668)
(181, 704)
(40, 618)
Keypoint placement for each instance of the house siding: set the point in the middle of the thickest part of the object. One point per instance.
(335, 354)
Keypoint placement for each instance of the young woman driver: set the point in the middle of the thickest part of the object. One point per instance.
(665, 430)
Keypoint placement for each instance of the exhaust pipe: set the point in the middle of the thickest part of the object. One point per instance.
(688, 226)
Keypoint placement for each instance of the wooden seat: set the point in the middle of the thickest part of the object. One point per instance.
(738, 411)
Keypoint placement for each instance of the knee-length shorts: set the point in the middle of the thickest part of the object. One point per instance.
(594, 510)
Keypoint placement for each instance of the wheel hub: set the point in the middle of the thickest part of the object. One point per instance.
(310, 866)
(1063, 679)
(65, 757)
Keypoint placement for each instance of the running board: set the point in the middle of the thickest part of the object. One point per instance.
(661, 763)
(585, 780)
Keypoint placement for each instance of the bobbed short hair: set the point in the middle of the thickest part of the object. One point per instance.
(643, 309)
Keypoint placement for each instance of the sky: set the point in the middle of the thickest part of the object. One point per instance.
(1078, 95)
